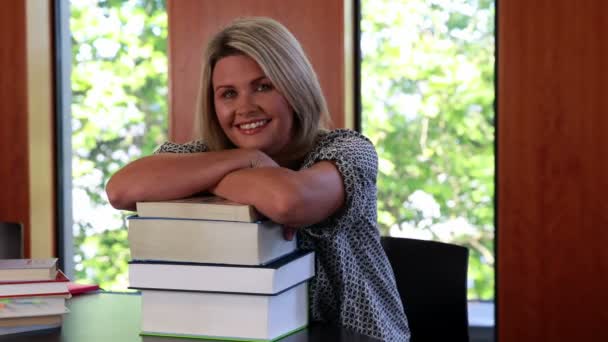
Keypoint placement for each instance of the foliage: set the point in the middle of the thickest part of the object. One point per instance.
(119, 86)
(427, 97)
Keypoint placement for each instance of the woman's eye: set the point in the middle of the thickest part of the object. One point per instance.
(228, 94)
(264, 87)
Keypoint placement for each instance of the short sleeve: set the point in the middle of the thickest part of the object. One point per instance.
(357, 161)
(195, 146)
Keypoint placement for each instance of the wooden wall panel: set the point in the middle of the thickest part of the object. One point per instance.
(552, 170)
(41, 128)
(14, 170)
(317, 24)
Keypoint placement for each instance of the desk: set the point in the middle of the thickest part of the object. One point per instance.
(115, 317)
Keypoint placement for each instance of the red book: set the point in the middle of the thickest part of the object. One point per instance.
(76, 289)
(56, 287)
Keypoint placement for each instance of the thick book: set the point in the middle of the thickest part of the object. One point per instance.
(57, 286)
(201, 208)
(221, 316)
(33, 306)
(270, 279)
(27, 269)
(204, 241)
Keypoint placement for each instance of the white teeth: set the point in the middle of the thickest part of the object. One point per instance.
(253, 125)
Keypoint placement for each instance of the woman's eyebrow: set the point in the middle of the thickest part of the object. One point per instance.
(254, 81)
(257, 80)
(222, 86)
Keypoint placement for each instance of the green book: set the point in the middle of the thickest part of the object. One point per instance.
(164, 337)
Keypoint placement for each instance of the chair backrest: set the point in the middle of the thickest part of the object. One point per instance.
(432, 281)
(11, 240)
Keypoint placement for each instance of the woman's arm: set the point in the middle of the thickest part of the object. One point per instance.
(167, 176)
(292, 198)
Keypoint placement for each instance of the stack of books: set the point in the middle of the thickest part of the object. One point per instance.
(213, 269)
(32, 295)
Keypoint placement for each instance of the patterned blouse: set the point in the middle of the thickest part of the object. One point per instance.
(354, 284)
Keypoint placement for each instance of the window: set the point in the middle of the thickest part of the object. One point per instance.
(427, 94)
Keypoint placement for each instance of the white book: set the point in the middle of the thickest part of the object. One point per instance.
(268, 279)
(224, 316)
(205, 241)
(27, 269)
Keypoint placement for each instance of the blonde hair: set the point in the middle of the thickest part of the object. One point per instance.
(284, 62)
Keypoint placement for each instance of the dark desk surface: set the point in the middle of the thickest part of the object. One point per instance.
(115, 317)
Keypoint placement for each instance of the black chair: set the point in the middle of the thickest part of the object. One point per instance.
(432, 282)
(11, 240)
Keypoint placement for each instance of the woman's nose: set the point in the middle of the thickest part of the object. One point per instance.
(246, 104)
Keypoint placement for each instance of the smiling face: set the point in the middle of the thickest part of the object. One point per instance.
(250, 110)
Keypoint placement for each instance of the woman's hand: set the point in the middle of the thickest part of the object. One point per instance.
(294, 198)
(261, 159)
(167, 176)
(256, 158)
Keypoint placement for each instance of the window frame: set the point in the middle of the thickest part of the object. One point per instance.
(63, 134)
(481, 314)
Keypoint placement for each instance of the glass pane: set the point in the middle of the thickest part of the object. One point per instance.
(119, 85)
(427, 94)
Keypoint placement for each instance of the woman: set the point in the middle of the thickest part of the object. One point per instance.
(263, 141)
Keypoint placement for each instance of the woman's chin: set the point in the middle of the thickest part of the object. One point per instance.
(269, 147)
(256, 146)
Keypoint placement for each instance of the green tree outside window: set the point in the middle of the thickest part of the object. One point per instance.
(427, 79)
(119, 113)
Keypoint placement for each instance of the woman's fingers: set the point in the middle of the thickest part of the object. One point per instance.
(288, 233)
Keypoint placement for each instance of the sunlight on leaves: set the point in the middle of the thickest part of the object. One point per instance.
(119, 111)
(427, 78)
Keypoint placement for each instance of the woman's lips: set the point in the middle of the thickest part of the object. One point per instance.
(253, 127)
